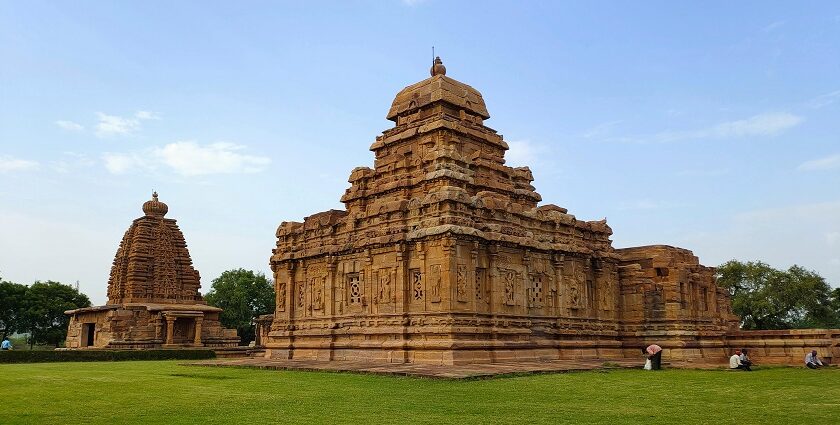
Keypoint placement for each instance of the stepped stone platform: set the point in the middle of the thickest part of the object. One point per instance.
(467, 371)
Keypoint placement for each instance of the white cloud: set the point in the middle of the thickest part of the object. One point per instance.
(525, 153)
(827, 163)
(188, 158)
(10, 164)
(192, 159)
(69, 125)
(146, 115)
(111, 125)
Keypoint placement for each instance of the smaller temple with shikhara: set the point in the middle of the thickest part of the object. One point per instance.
(153, 298)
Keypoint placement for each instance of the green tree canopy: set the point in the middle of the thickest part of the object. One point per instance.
(767, 298)
(243, 295)
(44, 307)
(12, 296)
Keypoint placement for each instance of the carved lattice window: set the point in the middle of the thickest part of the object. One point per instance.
(417, 284)
(535, 295)
(354, 288)
(480, 284)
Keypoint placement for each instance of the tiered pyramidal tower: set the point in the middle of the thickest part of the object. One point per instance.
(153, 298)
(444, 256)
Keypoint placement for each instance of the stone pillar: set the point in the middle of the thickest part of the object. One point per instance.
(197, 339)
(170, 329)
(330, 292)
(556, 292)
(402, 292)
(492, 276)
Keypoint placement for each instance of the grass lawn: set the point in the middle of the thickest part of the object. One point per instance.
(164, 392)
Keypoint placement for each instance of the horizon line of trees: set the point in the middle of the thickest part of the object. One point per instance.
(38, 310)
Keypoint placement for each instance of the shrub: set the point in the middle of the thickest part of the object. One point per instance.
(27, 356)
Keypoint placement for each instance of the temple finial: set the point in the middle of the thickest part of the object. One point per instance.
(437, 67)
(154, 195)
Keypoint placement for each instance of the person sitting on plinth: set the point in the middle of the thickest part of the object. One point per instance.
(745, 359)
(735, 362)
(812, 361)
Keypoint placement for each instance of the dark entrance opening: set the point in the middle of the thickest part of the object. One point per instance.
(87, 334)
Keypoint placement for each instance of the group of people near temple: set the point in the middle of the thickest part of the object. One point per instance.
(740, 360)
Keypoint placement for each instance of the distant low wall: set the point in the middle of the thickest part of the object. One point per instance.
(787, 346)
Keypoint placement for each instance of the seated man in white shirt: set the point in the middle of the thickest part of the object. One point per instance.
(812, 361)
(735, 362)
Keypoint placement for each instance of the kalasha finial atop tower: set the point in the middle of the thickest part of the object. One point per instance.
(438, 68)
(155, 208)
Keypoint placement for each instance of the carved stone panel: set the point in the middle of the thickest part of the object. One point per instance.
(461, 287)
(508, 286)
(281, 296)
(434, 283)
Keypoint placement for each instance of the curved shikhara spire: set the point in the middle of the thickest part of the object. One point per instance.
(152, 263)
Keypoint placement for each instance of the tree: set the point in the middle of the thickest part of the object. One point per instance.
(11, 307)
(767, 298)
(243, 295)
(44, 306)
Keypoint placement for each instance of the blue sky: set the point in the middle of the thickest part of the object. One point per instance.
(712, 126)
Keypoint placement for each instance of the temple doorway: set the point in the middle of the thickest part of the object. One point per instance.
(88, 334)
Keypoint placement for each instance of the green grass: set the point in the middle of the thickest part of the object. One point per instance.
(164, 392)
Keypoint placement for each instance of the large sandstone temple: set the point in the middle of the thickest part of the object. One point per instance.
(153, 298)
(444, 255)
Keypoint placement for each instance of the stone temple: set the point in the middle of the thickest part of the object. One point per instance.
(153, 298)
(444, 255)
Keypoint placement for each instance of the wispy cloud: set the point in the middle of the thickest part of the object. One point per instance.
(773, 26)
(711, 172)
(600, 130)
(10, 164)
(824, 100)
(413, 2)
(71, 161)
(762, 125)
(827, 163)
(648, 204)
(69, 125)
(188, 158)
(114, 125)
